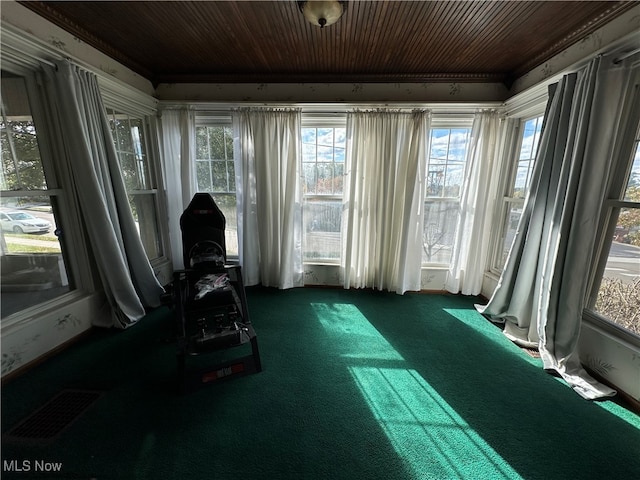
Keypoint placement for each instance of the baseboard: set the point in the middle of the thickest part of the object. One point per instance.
(632, 403)
(47, 356)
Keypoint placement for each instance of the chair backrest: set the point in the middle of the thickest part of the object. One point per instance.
(202, 224)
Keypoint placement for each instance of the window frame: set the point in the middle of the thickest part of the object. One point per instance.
(322, 120)
(623, 159)
(154, 178)
(513, 140)
(82, 280)
(445, 121)
(215, 119)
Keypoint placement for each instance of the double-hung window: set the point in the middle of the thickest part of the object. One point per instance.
(130, 136)
(33, 266)
(616, 292)
(215, 173)
(447, 160)
(323, 165)
(516, 186)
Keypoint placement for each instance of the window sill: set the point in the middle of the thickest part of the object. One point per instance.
(321, 263)
(27, 315)
(492, 274)
(610, 328)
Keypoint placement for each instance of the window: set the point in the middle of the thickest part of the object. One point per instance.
(31, 255)
(445, 176)
(130, 136)
(323, 160)
(517, 187)
(215, 174)
(618, 292)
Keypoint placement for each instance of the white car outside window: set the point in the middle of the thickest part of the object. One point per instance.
(22, 222)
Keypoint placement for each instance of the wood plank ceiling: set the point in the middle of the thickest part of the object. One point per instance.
(375, 41)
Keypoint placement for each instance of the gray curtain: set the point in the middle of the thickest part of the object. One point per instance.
(543, 288)
(127, 277)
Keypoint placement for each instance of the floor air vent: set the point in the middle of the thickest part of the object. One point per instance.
(532, 352)
(45, 424)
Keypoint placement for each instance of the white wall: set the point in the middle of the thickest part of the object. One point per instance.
(610, 357)
(333, 93)
(432, 279)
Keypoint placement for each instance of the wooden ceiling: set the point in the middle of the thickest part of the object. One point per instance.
(374, 41)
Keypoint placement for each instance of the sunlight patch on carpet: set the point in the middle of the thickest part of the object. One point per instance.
(622, 412)
(423, 429)
(474, 320)
(483, 327)
(348, 323)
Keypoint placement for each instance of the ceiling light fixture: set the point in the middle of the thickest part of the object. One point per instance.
(322, 12)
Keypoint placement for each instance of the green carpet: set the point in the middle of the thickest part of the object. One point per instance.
(356, 385)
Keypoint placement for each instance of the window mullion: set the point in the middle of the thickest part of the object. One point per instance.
(611, 203)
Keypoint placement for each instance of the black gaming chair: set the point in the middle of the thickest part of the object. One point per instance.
(209, 298)
(203, 225)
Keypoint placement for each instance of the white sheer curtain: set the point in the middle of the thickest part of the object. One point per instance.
(178, 148)
(471, 245)
(127, 277)
(543, 289)
(384, 198)
(267, 145)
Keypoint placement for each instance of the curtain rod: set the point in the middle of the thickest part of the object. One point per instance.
(626, 55)
(23, 53)
(331, 108)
